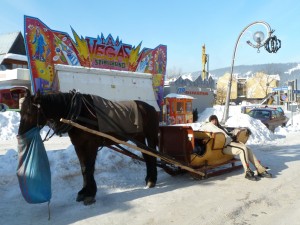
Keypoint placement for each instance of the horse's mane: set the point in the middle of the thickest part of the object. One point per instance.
(59, 102)
(57, 98)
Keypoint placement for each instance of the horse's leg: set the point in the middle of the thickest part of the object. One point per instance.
(151, 162)
(87, 153)
(151, 176)
(150, 132)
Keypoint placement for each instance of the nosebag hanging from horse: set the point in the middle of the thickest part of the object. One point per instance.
(136, 121)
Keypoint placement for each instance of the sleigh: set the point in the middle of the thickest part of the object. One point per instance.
(200, 150)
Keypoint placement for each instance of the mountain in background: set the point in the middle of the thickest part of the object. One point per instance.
(286, 71)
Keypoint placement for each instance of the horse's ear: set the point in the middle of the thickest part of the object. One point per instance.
(37, 95)
(27, 93)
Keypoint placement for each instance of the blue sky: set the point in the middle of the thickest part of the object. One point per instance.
(184, 26)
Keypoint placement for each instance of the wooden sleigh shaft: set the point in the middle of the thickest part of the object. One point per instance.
(151, 153)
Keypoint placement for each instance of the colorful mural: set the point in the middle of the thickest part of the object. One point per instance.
(46, 47)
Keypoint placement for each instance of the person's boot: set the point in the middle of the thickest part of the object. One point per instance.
(265, 174)
(250, 175)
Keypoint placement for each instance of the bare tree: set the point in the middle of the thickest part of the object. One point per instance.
(270, 70)
(174, 72)
(264, 81)
(251, 92)
(221, 95)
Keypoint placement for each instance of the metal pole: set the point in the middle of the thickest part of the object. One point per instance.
(296, 89)
(226, 109)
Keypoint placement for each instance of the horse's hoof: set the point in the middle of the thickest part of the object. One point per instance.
(80, 198)
(89, 200)
(151, 184)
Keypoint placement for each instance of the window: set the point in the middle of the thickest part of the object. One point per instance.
(180, 107)
(266, 114)
(278, 114)
(280, 110)
(189, 107)
(6, 96)
(173, 107)
(15, 66)
(260, 114)
(15, 96)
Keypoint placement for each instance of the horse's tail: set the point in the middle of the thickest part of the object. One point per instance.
(150, 123)
(154, 125)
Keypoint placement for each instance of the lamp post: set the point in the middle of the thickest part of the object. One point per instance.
(271, 44)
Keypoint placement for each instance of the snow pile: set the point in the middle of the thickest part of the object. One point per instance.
(9, 124)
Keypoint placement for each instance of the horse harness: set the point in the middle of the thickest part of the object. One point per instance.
(74, 111)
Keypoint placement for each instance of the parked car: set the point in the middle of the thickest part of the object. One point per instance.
(271, 117)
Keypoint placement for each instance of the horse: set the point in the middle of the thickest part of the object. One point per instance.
(47, 109)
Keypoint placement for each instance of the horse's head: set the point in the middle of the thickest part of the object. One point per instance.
(31, 112)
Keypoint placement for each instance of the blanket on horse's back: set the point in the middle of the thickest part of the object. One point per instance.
(117, 117)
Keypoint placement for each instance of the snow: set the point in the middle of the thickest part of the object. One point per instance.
(293, 69)
(16, 57)
(179, 96)
(123, 199)
(188, 76)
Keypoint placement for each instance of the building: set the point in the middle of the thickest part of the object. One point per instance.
(201, 90)
(252, 89)
(222, 86)
(13, 60)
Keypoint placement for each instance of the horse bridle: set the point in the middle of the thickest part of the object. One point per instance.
(39, 111)
(74, 111)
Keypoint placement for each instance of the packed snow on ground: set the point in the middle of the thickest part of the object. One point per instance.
(123, 199)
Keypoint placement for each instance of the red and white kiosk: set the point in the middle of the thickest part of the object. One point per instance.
(177, 109)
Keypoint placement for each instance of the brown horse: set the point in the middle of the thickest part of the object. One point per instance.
(39, 110)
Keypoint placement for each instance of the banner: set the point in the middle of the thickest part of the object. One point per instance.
(46, 47)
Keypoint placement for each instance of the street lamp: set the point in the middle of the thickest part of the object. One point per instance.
(271, 44)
